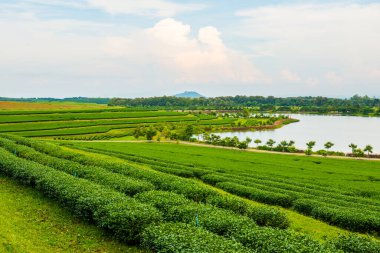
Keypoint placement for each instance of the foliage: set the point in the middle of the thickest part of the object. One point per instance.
(179, 237)
(227, 141)
(347, 218)
(256, 194)
(99, 175)
(123, 216)
(355, 105)
(356, 244)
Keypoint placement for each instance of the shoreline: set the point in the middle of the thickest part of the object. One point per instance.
(253, 150)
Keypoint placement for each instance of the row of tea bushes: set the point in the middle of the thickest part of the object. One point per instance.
(262, 215)
(265, 216)
(252, 193)
(180, 237)
(124, 184)
(357, 218)
(300, 191)
(125, 217)
(350, 219)
(176, 208)
(156, 164)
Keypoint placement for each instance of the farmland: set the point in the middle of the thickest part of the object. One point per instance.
(141, 201)
(110, 122)
(46, 106)
(164, 196)
(32, 223)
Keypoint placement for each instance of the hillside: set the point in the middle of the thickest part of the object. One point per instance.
(189, 94)
(30, 222)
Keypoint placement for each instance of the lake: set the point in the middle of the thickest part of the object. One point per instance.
(340, 130)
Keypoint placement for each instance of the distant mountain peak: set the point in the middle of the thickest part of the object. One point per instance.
(189, 94)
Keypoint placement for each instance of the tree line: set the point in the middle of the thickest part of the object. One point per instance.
(354, 105)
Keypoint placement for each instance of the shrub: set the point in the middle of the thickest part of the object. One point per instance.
(179, 237)
(345, 217)
(162, 200)
(269, 240)
(122, 215)
(99, 175)
(355, 244)
(216, 220)
(263, 216)
(162, 181)
(257, 194)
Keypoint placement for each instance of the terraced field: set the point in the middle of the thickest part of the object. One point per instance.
(90, 123)
(109, 122)
(161, 205)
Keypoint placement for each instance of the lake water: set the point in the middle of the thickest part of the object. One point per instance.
(340, 130)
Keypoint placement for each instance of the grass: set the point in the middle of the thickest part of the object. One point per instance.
(32, 223)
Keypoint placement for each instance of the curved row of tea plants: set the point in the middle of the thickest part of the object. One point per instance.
(191, 189)
(337, 208)
(85, 116)
(98, 175)
(236, 233)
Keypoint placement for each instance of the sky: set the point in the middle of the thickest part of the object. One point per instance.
(142, 48)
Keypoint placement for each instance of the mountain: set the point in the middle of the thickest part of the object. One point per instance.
(189, 94)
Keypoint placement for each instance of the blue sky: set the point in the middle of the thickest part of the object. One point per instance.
(129, 48)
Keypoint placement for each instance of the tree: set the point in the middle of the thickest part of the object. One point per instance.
(284, 145)
(248, 140)
(358, 153)
(257, 142)
(137, 133)
(270, 143)
(188, 133)
(353, 147)
(150, 133)
(329, 145)
(368, 149)
(310, 146)
(242, 145)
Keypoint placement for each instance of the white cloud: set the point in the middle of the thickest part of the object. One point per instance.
(319, 40)
(169, 48)
(73, 58)
(157, 8)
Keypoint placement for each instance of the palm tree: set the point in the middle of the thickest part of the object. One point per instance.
(353, 147)
(310, 144)
(270, 143)
(368, 149)
(284, 144)
(257, 142)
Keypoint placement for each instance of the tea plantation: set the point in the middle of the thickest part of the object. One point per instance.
(173, 207)
(172, 197)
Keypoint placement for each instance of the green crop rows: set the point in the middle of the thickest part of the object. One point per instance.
(158, 210)
(97, 123)
(345, 208)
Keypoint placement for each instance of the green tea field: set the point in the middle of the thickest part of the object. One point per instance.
(163, 195)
